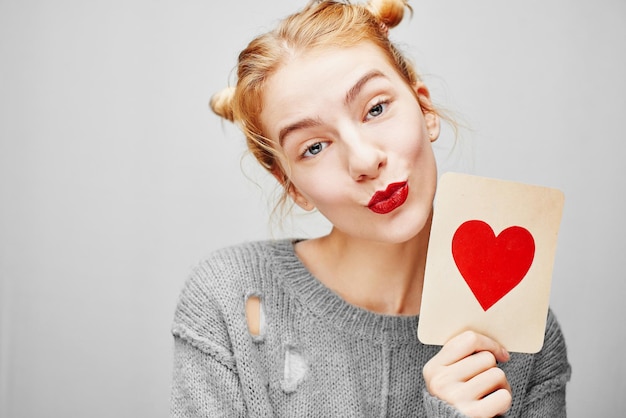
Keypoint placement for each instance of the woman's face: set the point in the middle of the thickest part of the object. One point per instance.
(353, 141)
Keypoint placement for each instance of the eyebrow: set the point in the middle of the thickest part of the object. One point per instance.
(350, 96)
(358, 86)
(301, 124)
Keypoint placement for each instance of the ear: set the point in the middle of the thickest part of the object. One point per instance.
(291, 190)
(433, 121)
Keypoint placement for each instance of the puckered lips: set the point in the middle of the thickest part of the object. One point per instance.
(384, 201)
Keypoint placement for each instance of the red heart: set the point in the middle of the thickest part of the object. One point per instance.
(492, 266)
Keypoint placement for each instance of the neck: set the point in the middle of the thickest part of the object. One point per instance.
(380, 277)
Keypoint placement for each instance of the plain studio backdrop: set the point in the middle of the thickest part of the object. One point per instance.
(115, 178)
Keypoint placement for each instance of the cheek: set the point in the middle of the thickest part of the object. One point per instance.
(411, 135)
(321, 190)
(320, 193)
(414, 149)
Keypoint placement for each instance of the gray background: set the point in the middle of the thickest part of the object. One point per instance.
(115, 179)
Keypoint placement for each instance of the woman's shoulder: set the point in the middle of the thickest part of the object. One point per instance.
(242, 262)
(552, 361)
(216, 288)
(229, 273)
(229, 268)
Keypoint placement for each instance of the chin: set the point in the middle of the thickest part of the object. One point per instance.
(418, 226)
(402, 237)
(404, 231)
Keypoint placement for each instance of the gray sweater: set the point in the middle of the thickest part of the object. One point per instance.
(316, 355)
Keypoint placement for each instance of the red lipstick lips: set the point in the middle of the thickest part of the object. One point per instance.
(384, 201)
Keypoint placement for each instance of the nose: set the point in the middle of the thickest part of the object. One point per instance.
(365, 157)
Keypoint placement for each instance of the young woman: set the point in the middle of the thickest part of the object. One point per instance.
(326, 327)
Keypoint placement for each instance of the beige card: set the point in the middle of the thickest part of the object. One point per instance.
(490, 260)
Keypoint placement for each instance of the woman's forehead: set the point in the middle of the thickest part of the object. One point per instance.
(324, 60)
(331, 73)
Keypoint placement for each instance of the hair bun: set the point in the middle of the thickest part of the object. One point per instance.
(389, 12)
(222, 103)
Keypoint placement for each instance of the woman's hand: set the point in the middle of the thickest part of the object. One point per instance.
(465, 374)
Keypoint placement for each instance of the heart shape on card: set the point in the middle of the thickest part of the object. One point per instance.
(492, 265)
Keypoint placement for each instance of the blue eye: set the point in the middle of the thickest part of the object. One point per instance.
(376, 110)
(314, 149)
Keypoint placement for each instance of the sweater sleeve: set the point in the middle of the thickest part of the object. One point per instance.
(545, 396)
(202, 386)
(205, 379)
(436, 408)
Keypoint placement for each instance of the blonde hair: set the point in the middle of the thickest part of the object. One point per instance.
(321, 23)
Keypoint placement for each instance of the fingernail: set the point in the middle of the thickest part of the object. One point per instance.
(505, 355)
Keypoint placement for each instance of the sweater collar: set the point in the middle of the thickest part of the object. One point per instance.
(328, 306)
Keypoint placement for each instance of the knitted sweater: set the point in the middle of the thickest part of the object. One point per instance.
(317, 355)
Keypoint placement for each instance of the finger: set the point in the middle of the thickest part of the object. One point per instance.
(468, 343)
(487, 382)
(496, 403)
(438, 378)
(473, 365)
